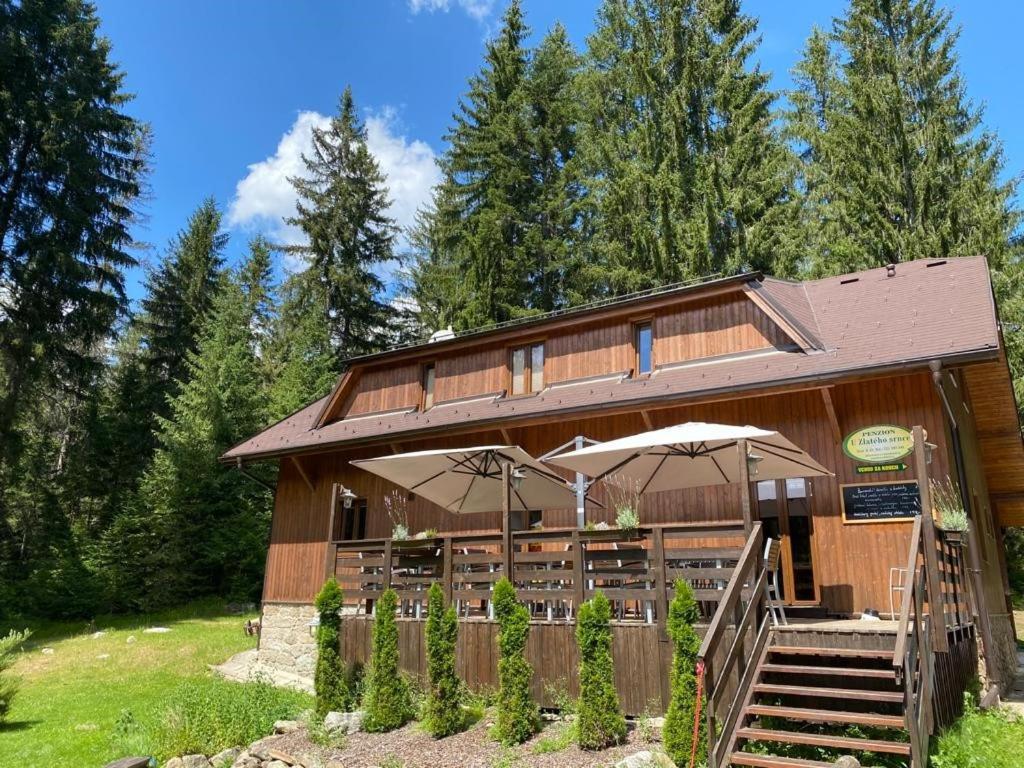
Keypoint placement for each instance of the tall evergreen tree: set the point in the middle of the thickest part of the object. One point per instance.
(342, 211)
(71, 172)
(688, 173)
(895, 157)
(197, 527)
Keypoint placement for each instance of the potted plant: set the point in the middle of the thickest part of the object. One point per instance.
(948, 509)
(397, 505)
(624, 495)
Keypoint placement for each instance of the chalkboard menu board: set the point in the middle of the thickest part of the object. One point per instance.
(880, 502)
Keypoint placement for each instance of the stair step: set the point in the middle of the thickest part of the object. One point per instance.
(823, 740)
(858, 694)
(771, 761)
(826, 716)
(803, 669)
(846, 653)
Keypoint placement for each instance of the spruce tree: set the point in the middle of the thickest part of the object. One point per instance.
(599, 722)
(387, 702)
(342, 211)
(688, 174)
(444, 707)
(200, 524)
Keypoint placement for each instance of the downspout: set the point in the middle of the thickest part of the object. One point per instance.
(981, 616)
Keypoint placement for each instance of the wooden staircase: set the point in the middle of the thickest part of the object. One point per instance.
(808, 705)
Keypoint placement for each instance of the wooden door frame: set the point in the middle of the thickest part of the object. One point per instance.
(786, 560)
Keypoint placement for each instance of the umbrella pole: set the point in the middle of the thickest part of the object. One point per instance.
(506, 519)
(748, 514)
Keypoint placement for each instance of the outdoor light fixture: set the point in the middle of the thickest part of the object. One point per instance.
(752, 461)
(347, 497)
(314, 625)
(518, 475)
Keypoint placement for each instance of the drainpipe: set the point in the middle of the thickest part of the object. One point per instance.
(981, 616)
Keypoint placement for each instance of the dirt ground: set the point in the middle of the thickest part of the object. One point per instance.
(412, 747)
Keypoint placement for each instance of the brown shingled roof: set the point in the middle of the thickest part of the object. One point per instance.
(863, 322)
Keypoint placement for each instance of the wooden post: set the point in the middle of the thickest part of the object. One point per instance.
(447, 570)
(660, 583)
(386, 574)
(748, 513)
(506, 521)
(579, 586)
(931, 564)
(331, 553)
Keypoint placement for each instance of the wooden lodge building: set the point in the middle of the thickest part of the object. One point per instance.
(882, 377)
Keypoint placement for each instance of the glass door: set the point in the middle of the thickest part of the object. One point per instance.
(784, 508)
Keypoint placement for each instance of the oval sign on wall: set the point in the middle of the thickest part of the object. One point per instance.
(879, 443)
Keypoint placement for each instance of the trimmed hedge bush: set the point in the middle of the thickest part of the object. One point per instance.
(329, 679)
(600, 721)
(677, 734)
(387, 702)
(444, 710)
(518, 715)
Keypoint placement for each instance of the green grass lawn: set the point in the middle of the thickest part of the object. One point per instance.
(72, 704)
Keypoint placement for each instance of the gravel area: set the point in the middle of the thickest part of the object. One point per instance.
(412, 747)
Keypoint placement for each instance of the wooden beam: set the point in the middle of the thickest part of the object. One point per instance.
(647, 419)
(505, 436)
(302, 471)
(830, 409)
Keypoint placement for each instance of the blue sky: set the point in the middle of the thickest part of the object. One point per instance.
(231, 88)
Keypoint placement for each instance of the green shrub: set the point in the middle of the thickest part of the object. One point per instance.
(329, 679)
(518, 716)
(209, 715)
(444, 712)
(387, 701)
(9, 646)
(677, 733)
(980, 739)
(600, 721)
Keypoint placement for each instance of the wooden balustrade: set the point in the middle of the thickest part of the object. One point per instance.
(553, 570)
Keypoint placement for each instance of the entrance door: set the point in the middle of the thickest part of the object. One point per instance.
(784, 507)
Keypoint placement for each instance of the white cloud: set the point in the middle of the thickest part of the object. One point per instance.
(475, 9)
(264, 198)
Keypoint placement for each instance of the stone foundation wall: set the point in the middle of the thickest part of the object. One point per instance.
(286, 644)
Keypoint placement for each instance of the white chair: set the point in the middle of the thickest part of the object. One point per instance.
(772, 555)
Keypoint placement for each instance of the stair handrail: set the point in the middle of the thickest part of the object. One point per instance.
(729, 607)
(912, 658)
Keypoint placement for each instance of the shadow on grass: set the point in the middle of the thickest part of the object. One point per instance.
(18, 725)
(46, 631)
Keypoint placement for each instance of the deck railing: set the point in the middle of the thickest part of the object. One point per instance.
(554, 571)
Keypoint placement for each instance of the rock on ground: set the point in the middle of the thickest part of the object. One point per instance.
(130, 762)
(155, 630)
(225, 757)
(344, 722)
(847, 761)
(646, 759)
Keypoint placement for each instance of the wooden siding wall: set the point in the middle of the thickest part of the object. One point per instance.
(851, 562)
(705, 328)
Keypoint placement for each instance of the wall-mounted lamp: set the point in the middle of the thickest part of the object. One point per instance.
(314, 625)
(347, 497)
(518, 475)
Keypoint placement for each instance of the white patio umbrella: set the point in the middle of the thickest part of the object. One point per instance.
(465, 480)
(692, 455)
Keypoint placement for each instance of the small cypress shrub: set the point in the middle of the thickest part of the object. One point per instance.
(677, 734)
(600, 721)
(518, 716)
(444, 710)
(387, 702)
(329, 679)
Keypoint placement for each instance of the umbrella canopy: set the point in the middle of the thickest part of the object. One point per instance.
(465, 480)
(691, 455)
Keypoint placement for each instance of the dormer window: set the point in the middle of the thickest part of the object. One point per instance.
(428, 387)
(643, 340)
(526, 368)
